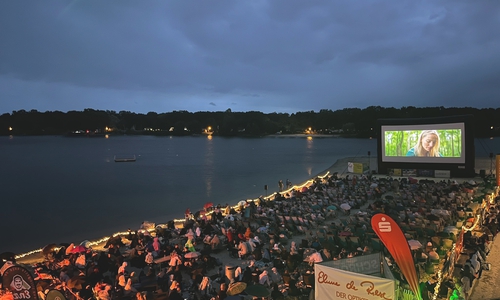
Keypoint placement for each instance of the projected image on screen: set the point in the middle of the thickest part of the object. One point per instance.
(426, 143)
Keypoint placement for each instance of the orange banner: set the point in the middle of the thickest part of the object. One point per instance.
(498, 169)
(395, 241)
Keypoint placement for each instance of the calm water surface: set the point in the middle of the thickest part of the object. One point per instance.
(57, 189)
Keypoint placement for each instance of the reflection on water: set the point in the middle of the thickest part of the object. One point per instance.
(310, 144)
(209, 166)
(308, 157)
(309, 171)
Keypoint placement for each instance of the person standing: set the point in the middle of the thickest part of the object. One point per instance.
(280, 185)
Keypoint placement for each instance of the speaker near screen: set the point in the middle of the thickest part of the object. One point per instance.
(445, 143)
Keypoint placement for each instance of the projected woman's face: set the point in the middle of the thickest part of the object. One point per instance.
(429, 141)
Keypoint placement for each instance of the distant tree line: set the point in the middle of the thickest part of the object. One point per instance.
(354, 122)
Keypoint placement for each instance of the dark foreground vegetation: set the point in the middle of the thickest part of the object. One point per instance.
(352, 122)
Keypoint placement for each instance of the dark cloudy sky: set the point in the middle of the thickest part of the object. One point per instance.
(265, 55)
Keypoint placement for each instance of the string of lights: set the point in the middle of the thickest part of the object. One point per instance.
(477, 219)
(438, 285)
(104, 239)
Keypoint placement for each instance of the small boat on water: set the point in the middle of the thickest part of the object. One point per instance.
(125, 159)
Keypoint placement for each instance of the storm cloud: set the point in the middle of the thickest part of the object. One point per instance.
(270, 56)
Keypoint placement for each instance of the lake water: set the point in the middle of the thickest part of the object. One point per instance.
(57, 189)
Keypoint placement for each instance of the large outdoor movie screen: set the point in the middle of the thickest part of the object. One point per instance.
(424, 143)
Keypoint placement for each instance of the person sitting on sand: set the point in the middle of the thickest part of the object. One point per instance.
(222, 293)
(63, 276)
(275, 276)
(122, 280)
(175, 259)
(293, 248)
(215, 241)
(248, 233)
(122, 268)
(103, 290)
(156, 245)
(229, 235)
(190, 246)
(251, 244)
(276, 292)
(264, 279)
(198, 232)
(149, 259)
(94, 276)
(238, 274)
(69, 249)
(247, 275)
(175, 291)
(276, 250)
(266, 255)
(242, 249)
(190, 234)
(80, 261)
(256, 241)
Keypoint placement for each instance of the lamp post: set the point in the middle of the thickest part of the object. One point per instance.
(369, 163)
(491, 164)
